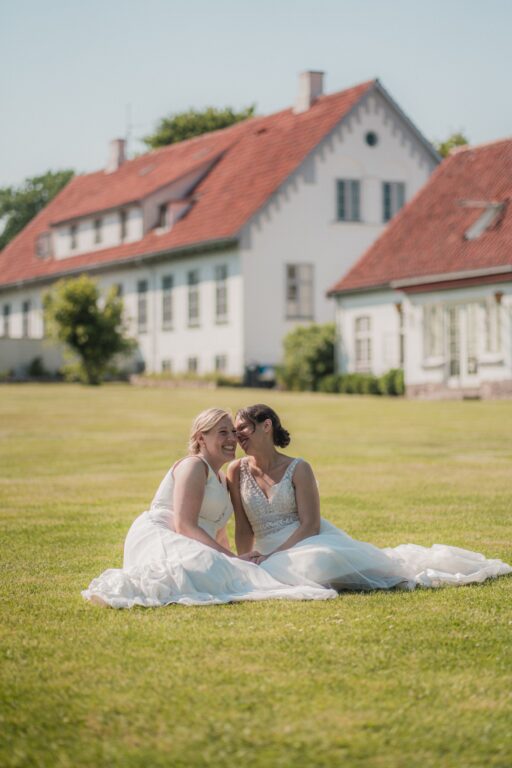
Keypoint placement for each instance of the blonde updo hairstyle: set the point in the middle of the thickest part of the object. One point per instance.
(204, 422)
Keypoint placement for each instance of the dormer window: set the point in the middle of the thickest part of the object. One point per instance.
(123, 221)
(43, 245)
(163, 217)
(73, 236)
(97, 231)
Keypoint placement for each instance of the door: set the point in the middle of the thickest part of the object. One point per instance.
(462, 345)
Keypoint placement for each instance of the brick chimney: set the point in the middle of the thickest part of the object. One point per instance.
(311, 86)
(116, 156)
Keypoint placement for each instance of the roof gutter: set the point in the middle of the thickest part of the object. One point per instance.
(442, 278)
(155, 256)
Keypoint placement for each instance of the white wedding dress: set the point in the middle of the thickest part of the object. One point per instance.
(336, 561)
(161, 566)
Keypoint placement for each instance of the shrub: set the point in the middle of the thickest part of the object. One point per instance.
(308, 356)
(392, 382)
(36, 369)
(329, 383)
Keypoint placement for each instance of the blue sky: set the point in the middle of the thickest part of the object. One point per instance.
(70, 68)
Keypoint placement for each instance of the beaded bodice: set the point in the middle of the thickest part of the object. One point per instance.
(268, 515)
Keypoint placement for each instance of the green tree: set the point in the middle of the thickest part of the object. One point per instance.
(186, 125)
(455, 140)
(18, 205)
(308, 356)
(92, 330)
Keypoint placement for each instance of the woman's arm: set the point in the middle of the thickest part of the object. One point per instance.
(222, 538)
(308, 507)
(244, 535)
(189, 486)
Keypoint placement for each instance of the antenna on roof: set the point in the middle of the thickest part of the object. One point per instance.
(129, 127)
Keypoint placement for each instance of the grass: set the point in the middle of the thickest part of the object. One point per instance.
(382, 680)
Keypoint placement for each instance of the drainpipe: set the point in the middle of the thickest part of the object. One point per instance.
(154, 329)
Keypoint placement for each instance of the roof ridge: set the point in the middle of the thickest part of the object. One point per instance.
(481, 145)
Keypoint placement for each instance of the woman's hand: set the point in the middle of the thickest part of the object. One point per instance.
(252, 556)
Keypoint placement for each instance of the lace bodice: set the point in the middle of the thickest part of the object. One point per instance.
(215, 509)
(268, 515)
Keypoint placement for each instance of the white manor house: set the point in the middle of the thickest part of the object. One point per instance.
(221, 244)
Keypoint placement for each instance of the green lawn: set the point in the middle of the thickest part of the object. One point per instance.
(376, 680)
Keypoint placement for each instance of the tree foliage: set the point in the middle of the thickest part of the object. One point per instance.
(18, 205)
(92, 330)
(308, 356)
(185, 125)
(457, 139)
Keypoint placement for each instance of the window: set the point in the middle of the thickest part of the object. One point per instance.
(97, 231)
(433, 330)
(221, 293)
(73, 236)
(393, 198)
(167, 286)
(6, 313)
(492, 337)
(118, 288)
(43, 245)
(221, 363)
(193, 297)
(299, 291)
(123, 221)
(166, 366)
(363, 344)
(25, 319)
(349, 196)
(142, 306)
(163, 218)
(371, 139)
(192, 365)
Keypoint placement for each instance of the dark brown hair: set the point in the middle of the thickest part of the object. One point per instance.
(257, 414)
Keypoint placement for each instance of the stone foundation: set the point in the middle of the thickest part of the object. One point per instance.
(487, 390)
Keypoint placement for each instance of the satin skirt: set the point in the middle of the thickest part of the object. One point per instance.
(334, 560)
(162, 567)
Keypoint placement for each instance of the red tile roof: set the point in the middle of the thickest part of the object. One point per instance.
(254, 158)
(426, 238)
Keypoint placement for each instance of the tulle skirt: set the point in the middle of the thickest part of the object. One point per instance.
(334, 560)
(163, 567)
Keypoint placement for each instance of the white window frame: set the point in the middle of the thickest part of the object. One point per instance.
(393, 198)
(6, 317)
(348, 200)
(98, 231)
(192, 364)
(142, 306)
(363, 343)
(193, 305)
(221, 293)
(299, 297)
(433, 332)
(167, 302)
(25, 319)
(73, 237)
(221, 363)
(492, 327)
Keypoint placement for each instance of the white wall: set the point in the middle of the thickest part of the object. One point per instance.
(299, 224)
(380, 306)
(110, 233)
(384, 317)
(205, 341)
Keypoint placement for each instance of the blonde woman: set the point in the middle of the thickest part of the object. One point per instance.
(178, 551)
